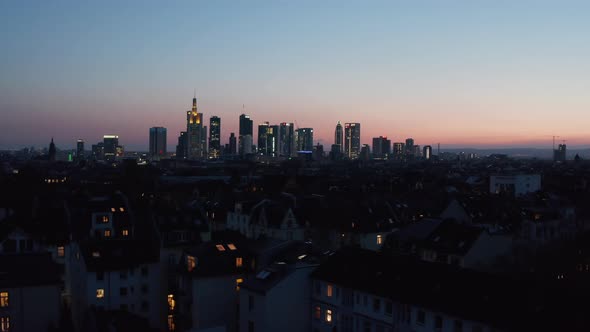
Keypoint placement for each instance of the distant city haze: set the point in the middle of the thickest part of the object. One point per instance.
(460, 73)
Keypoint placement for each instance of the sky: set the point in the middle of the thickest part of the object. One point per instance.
(460, 73)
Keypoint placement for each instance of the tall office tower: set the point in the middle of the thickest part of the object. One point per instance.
(365, 153)
(381, 147)
(560, 153)
(98, 151)
(409, 146)
(273, 141)
(336, 152)
(417, 151)
(262, 138)
(338, 135)
(181, 148)
(427, 152)
(245, 135)
(398, 150)
(111, 142)
(286, 140)
(214, 137)
(80, 149)
(52, 151)
(352, 140)
(304, 140)
(157, 142)
(318, 152)
(232, 144)
(196, 134)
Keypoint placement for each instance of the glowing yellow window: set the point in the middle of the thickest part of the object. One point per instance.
(231, 246)
(105, 219)
(107, 233)
(112, 209)
(100, 293)
(191, 263)
(329, 290)
(61, 251)
(379, 239)
(125, 232)
(5, 324)
(171, 302)
(171, 324)
(238, 282)
(3, 299)
(328, 315)
(220, 247)
(238, 261)
(122, 209)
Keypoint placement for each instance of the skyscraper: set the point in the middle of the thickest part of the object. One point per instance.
(304, 140)
(286, 140)
(352, 140)
(560, 154)
(245, 135)
(196, 134)
(52, 150)
(232, 144)
(111, 143)
(262, 138)
(273, 141)
(338, 135)
(80, 149)
(214, 137)
(181, 148)
(398, 150)
(427, 152)
(409, 147)
(157, 142)
(381, 147)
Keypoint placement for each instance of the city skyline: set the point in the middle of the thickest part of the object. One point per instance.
(401, 70)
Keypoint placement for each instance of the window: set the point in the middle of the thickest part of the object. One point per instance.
(99, 275)
(220, 247)
(123, 291)
(61, 251)
(438, 322)
(100, 293)
(105, 219)
(250, 326)
(122, 209)
(125, 232)
(328, 315)
(458, 326)
(191, 263)
(329, 290)
(250, 302)
(379, 239)
(388, 308)
(3, 299)
(107, 233)
(171, 325)
(317, 312)
(318, 288)
(231, 246)
(421, 318)
(238, 282)
(96, 254)
(5, 324)
(376, 305)
(171, 302)
(238, 261)
(113, 210)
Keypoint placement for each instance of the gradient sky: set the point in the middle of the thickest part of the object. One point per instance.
(462, 73)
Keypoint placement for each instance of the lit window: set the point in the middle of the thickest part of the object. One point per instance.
(191, 263)
(99, 293)
(122, 209)
(379, 239)
(238, 282)
(171, 302)
(105, 219)
(61, 251)
(113, 210)
(107, 233)
(238, 261)
(125, 232)
(231, 246)
(329, 290)
(317, 314)
(171, 325)
(3, 299)
(5, 324)
(96, 254)
(328, 315)
(220, 247)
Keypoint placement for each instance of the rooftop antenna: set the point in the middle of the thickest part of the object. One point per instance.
(195, 94)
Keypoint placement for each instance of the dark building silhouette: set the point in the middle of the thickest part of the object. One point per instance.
(304, 141)
(352, 140)
(339, 135)
(214, 137)
(196, 133)
(80, 149)
(232, 144)
(52, 150)
(157, 142)
(560, 154)
(286, 140)
(245, 135)
(381, 147)
(181, 148)
(111, 145)
(427, 152)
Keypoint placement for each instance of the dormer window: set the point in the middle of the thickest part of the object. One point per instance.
(220, 247)
(238, 261)
(125, 232)
(105, 219)
(231, 246)
(122, 209)
(113, 210)
(191, 263)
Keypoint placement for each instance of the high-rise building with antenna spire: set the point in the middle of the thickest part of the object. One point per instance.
(196, 133)
(338, 135)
